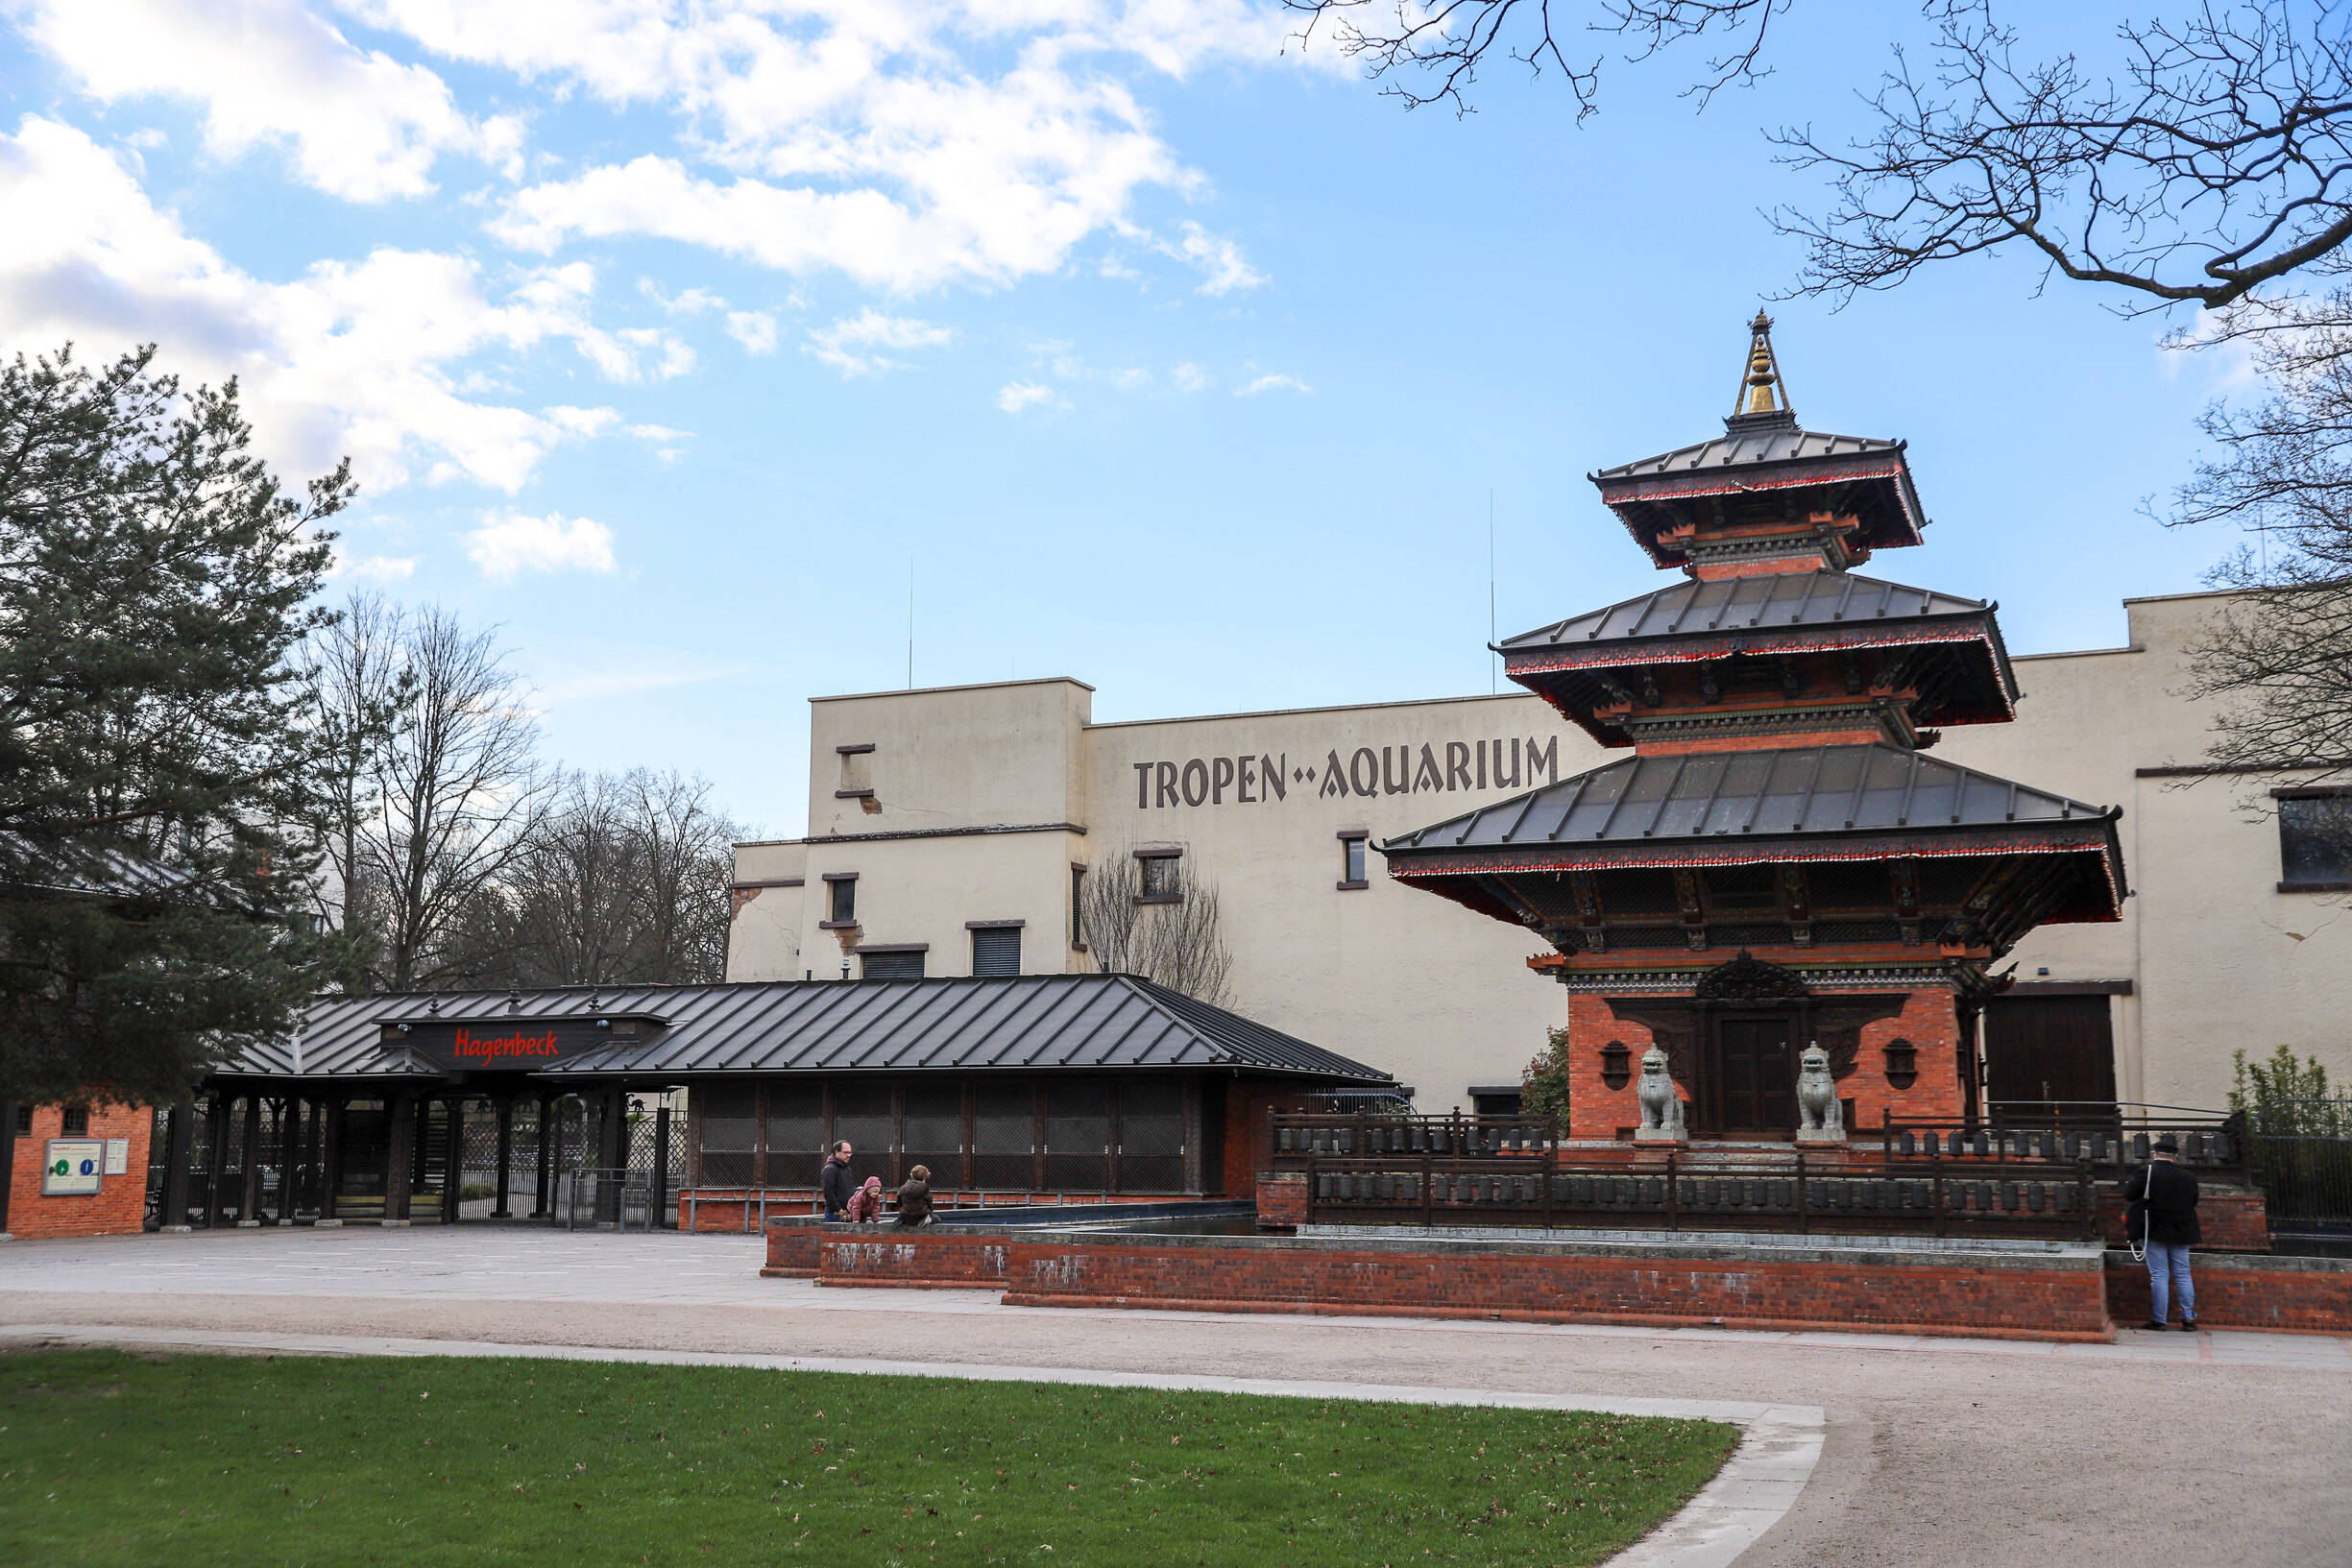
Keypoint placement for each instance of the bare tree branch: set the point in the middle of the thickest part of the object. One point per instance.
(1430, 53)
(2219, 163)
(1179, 944)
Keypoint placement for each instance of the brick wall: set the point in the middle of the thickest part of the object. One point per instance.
(1282, 1199)
(1916, 1293)
(118, 1208)
(2230, 1221)
(2239, 1290)
(1930, 1021)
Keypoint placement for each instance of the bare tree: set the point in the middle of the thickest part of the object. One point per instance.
(456, 793)
(1177, 941)
(620, 879)
(1429, 53)
(358, 684)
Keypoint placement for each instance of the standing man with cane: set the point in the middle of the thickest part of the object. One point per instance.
(2162, 1226)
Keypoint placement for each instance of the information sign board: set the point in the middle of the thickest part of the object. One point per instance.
(73, 1166)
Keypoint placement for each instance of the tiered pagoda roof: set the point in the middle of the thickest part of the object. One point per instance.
(1777, 705)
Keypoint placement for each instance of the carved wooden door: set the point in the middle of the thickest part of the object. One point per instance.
(1756, 1077)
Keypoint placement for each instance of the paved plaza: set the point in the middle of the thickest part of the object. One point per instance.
(2217, 1448)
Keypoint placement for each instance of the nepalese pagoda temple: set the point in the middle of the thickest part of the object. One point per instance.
(1781, 863)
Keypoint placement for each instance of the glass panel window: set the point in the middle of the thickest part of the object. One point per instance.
(729, 1122)
(795, 1134)
(844, 904)
(1005, 1137)
(935, 1132)
(1351, 860)
(1151, 1138)
(862, 1114)
(77, 1122)
(1078, 906)
(2314, 840)
(1160, 876)
(1078, 1136)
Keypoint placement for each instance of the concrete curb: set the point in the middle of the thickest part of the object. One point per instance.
(1780, 1444)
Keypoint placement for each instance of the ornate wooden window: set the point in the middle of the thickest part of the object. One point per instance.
(1616, 1063)
(1902, 1063)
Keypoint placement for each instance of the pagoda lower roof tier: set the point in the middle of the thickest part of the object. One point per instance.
(1808, 635)
(1836, 842)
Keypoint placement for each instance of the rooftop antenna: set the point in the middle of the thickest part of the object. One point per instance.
(910, 623)
(1494, 660)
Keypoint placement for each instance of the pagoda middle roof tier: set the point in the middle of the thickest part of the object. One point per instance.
(1800, 803)
(1758, 459)
(1763, 602)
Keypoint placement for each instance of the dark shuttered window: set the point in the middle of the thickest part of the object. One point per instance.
(893, 966)
(729, 1127)
(996, 950)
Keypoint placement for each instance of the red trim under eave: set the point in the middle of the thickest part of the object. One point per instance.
(1515, 666)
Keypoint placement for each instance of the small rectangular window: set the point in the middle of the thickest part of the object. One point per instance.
(897, 964)
(996, 950)
(2314, 841)
(843, 902)
(1160, 880)
(77, 1122)
(1078, 907)
(1351, 861)
(856, 771)
(24, 1120)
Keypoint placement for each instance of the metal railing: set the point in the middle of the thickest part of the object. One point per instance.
(1680, 1193)
(2213, 1144)
(607, 1198)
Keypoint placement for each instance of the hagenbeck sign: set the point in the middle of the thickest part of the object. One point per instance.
(1427, 767)
(512, 1045)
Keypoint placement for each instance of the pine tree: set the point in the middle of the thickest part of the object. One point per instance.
(158, 807)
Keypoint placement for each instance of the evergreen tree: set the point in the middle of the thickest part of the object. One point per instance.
(158, 800)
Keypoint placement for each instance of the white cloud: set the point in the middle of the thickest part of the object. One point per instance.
(372, 358)
(508, 543)
(1272, 383)
(693, 301)
(581, 421)
(905, 145)
(1220, 259)
(1128, 380)
(360, 125)
(848, 344)
(1191, 377)
(1017, 396)
(753, 329)
(374, 569)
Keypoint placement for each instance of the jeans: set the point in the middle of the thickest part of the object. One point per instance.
(2169, 1264)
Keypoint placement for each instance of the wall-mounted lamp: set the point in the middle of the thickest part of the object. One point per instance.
(402, 1027)
(604, 1022)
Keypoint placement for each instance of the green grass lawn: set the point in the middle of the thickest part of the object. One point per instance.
(107, 1457)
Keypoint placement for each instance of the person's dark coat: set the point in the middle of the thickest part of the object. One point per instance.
(2163, 1199)
(838, 1184)
(914, 1202)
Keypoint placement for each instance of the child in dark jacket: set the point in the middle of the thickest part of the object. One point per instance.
(914, 1197)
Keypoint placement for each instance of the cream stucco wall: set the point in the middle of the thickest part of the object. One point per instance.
(984, 797)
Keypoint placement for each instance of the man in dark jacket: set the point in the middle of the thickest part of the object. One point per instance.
(836, 1183)
(2163, 1216)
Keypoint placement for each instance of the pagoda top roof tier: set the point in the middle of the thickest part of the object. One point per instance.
(1767, 493)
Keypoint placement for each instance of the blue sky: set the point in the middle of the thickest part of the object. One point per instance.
(670, 338)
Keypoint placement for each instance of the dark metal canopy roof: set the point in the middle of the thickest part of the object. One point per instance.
(1067, 1022)
(1765, 601)
(1764, 798)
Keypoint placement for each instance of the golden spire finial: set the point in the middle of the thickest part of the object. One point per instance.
(1760, 390)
